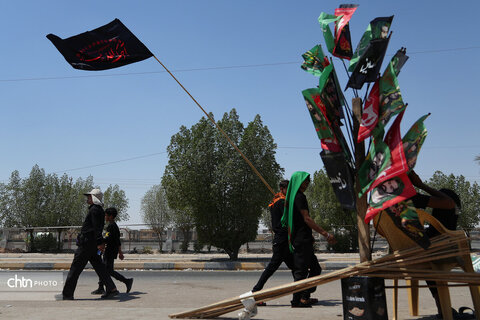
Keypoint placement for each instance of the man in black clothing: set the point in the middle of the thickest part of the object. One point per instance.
(112, 250)
(89, 242)
(301, 225)
(281, 253)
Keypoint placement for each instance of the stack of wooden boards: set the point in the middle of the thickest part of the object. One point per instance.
(398, 265)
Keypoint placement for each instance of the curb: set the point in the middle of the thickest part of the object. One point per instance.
(187, 265)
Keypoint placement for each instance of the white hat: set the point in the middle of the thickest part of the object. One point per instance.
(97, 196)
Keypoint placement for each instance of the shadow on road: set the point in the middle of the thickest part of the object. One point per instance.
(328, 303)
(122, 297)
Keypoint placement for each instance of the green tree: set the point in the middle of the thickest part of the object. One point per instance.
(205, 173)
(327, 212)
(31, 193)
(155, 211)
(185, 222)
(115, 197)
(469, 195)
(66, 203)
(42, 200)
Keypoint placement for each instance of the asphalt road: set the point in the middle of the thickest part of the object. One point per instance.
(156, 294)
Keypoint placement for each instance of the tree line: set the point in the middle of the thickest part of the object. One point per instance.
(49, 200)
(209, 187)
(206, 186)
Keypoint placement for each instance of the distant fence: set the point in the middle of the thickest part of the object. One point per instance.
(17, 240)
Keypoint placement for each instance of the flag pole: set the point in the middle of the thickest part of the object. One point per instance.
(220, 129)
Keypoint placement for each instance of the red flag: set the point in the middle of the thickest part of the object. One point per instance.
(370, 113)
(389, 193)
(343, 43)
(398, 161)
(331, 144)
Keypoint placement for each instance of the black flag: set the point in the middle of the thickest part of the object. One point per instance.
(107, 47)
(340, 174)
(368, 67)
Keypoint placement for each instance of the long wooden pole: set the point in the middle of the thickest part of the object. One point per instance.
(390, 266)
(363, 228)
(220, 129)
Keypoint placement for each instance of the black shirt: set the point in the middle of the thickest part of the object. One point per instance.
(112, 240)
(301, 231)
(420, 200)
(93, 224)
(276, 213)
(447, 217)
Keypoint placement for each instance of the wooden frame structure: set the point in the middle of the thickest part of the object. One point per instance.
(456, 255)
(402, 264)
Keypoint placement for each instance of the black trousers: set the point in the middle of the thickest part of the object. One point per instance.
(305, 266)
(109, 266)
(83, 254)
(281, 253)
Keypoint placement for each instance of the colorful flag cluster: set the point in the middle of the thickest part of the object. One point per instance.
(388, 161)
(404, 153)
(384, 173)
(384, 100)
(325, 103)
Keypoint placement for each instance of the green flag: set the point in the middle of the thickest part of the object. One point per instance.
(377, 29)
(317, 112)
(325, 19)
(293, 186)
(314, 61)
(413, 141)
(391, 102)
(331, 94)
(332, 98)
(377, 160)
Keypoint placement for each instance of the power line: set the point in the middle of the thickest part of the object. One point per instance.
(207, 68)
(111, 162)
(286, 147)
(148, 72)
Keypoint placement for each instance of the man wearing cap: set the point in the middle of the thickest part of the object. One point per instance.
(89, 242)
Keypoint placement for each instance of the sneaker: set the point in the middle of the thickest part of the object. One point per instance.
(60, 297)
(98, 291)
(129, 284)
(110, 294)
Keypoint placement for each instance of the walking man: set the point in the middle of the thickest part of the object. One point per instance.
(281, 253)
(112, 250)
(90, 242)
(300, 238)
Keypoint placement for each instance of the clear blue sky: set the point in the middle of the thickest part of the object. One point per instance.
(228, 54)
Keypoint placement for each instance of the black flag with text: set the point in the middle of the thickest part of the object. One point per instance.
(109, 46)
(368, 67)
